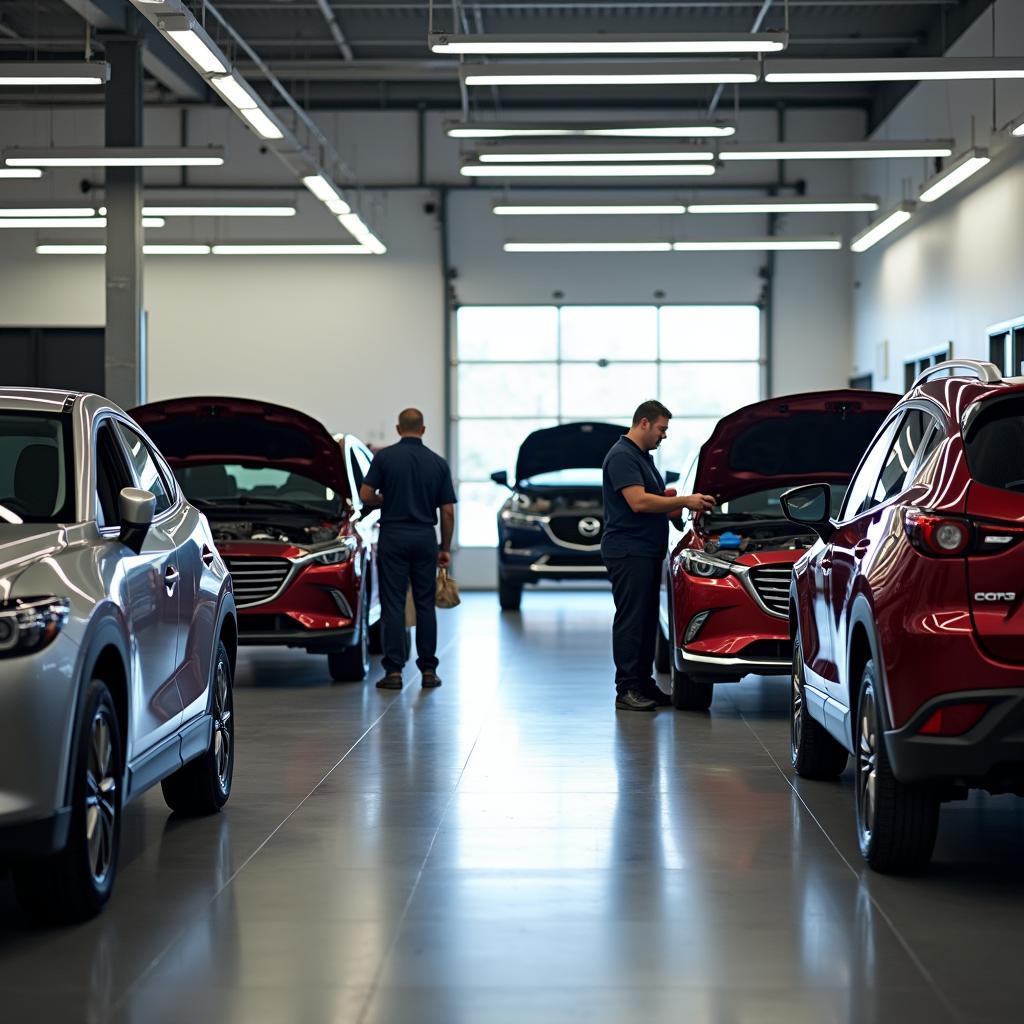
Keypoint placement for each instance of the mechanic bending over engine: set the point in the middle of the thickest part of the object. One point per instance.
(414, 483)
(637, 509)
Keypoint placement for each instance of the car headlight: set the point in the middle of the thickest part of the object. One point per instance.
(28, 624)
(704, 566)
(513, 517)
(336, 555)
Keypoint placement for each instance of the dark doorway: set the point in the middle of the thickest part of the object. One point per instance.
(66, 358)
(863, 382)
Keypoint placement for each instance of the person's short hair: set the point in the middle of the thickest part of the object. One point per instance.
(410, 421)
(650, 410)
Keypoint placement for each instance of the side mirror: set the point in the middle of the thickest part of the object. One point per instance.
(501, 477)
(136, 508)
(671, 476)
(810, 506)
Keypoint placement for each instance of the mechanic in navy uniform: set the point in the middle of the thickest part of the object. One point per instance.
(414, 483)
(637, 509)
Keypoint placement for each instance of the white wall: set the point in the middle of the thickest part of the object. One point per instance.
(957, 267)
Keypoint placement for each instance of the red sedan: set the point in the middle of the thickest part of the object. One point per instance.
(281, 495)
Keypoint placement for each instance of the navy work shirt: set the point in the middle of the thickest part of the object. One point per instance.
(413, 481)
(628, 533)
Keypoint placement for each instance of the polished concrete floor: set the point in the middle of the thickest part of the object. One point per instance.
(509, 849)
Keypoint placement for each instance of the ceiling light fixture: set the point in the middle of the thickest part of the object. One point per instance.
(610, 43)
(882, 227)
(235, 93)
(128, 156)
(290, 250)
(769, 244)
(840, 151)
(587, 170)
(632, 129)
(569, 210)
(894, 69)
(265, 126)
(737, 72)
(795, 205)
(591, 156)
(588, 247)
(355, 227)
(21, 172)
(48, 211)
(325, 191)
(34, 223)
(217, 211)
(18, 72)
(100, 250)
(956, 173)
(200, 49)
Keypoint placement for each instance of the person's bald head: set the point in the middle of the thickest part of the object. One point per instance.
(410, 423)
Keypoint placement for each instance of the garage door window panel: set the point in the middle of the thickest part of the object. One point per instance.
(504, 389)
(609, 332)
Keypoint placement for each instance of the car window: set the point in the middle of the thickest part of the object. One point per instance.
(935, 434)
(994, 441)
(36, 468)
(112, 475)
(907, 443)
(147, 469)
(859, 496)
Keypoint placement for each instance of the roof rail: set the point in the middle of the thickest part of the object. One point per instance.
(989, 373)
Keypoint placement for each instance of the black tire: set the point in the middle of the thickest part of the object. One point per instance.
(203, 786)
(351, 665)
(813, 752)
(690, 692)
(663, 648)
(75, 884)
(510, 594)
(896, 823)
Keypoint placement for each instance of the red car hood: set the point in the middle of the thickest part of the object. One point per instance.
(788, 441)
(199, 431)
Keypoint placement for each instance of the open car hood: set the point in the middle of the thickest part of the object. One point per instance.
(568, 446)
(200, 431)
(791, 440)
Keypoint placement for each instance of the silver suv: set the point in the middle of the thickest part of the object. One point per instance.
(117, 645)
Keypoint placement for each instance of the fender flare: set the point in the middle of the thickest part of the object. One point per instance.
(862, 615)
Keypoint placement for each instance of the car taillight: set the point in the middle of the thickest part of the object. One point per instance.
(949, 536)
(953, 719)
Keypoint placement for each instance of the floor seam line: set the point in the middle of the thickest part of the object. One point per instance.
(904, 943)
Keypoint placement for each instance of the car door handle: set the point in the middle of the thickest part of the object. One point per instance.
(861, 548)
(171, 577)
(208, 556)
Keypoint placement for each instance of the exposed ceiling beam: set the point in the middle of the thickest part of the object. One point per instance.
(334, 27)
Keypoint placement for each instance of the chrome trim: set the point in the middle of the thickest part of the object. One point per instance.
(707, 659)
(984, 371)
(743, 572)
(290, 575)
(590, 548)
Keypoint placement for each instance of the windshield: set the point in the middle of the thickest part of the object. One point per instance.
(761, 505)
(36, 477)
(565, 478)
(995, 444)
(230, 485)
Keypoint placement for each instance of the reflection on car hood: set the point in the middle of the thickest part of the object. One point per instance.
(199, 431)
(21, 546)
(791, 440)
(568, 446)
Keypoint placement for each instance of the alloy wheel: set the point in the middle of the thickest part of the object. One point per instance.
(796, 723)
(867, 766)
(100, 798)
(222, 728)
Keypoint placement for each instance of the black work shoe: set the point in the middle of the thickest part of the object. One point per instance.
(392, 681)
(634, 700)
(659, 696)
(431, 680)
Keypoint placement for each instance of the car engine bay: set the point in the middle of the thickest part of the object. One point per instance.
(315, 533)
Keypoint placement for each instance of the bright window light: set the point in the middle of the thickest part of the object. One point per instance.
(290, 250)
(882, 228)
(696, 73)
(53, 73)
(587, 170)
(955, 174)
(262, 123)
(593, 210)
(761, 245)
(802, 205)
(895, 69)
(639, 129)
(686, 43)
(190, 43)
(217, 211)
(841, 151)
(592, 157)
(150, 156)
(588, 247)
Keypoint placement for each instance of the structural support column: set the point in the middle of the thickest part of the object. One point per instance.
(125, 350)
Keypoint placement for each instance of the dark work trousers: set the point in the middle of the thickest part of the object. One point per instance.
(636, 585)
(408, 554)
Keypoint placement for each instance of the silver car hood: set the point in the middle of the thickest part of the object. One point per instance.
(22, 546)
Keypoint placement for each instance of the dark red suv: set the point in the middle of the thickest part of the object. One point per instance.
(281, 495)
(908, 613)
(726, 612)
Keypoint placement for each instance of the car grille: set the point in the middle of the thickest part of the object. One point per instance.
(256, 579)
(567, 530)
(771, 583)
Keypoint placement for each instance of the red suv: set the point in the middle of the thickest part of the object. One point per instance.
(726, 612)
(908, 613)
(281, 495)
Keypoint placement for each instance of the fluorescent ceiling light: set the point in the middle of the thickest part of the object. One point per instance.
(610, 43)
(635, 129)
(355, 226)
(770, 244)
(48, 211)
(326, 193)
(587, 170)
(639, 73)
(234, 92)
(100, 250)
(199, 50)
(567, 156)
(98, 156)
(893, 69)
(588, 247)
(217, 211)
(35, 223)
(21, 172)
(957, 172)
(882, 227)
(795, 205)
(17, 72)
(563, 210)
(290, 250)
(840, 151)
(263, 124)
